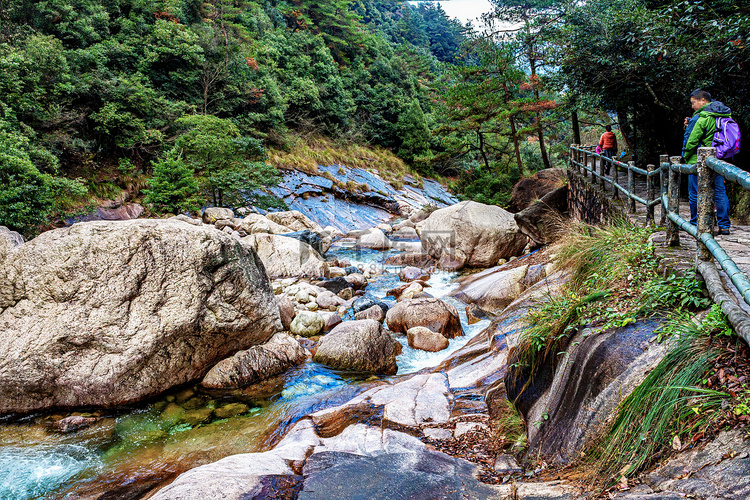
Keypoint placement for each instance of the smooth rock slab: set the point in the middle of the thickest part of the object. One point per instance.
(106, 313)
(425, 474)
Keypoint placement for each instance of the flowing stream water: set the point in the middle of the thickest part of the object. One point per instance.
(151, 442)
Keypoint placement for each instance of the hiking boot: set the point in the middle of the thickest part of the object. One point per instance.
(723, 231)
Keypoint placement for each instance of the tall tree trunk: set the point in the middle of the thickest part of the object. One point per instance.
(513, 133)
(540, 133)
(576, 127)
(481, 150)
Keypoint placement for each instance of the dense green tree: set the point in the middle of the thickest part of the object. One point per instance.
(226, 162)
(415, 133)
(173, 187)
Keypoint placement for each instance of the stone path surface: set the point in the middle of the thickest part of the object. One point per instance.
(736, 244)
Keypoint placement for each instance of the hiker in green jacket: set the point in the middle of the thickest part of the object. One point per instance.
(700, 134)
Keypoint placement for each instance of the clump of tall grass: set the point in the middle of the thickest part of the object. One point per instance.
(667, 404)
(599, 257)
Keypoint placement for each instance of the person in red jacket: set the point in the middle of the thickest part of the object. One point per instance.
(608, 142)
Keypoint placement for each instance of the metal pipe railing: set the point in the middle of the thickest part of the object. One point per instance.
(670, 170)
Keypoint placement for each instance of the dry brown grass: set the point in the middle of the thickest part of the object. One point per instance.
(306, 154)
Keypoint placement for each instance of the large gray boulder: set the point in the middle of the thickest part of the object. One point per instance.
(108, 313)
(284, 257)
(297, 221)
(256, 364)
(362, 346)
(472, 234)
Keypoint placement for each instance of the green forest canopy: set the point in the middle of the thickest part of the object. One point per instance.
(95, 94)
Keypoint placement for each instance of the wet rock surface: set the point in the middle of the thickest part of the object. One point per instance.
(568, 401)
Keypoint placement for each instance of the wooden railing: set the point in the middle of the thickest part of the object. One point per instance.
(584, 160)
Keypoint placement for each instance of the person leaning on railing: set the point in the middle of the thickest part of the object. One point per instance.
(608, 142)
(699, 133)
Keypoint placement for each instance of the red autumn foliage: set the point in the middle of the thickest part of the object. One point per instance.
(540, 106)
(255, 95)
(167, 17)
(252, 63)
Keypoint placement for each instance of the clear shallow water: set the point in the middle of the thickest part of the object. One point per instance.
(149, 443)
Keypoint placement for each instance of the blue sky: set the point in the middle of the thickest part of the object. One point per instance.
(465, 10)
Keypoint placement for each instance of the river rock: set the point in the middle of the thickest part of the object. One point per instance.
(540, 220)
(410, 292)
(308, 237)
(411, 273)
(366, 302)
(331, 320)
(484, 233)
(297, 221)
(433, 313)
(286, 311)
(405, 233)
(375, 239)
(256, 364)
(386, 228)
(107, 313)
(333, 232)
(257, 225)
(362, 346)
(374, 312)
(185, 218)
(73, 423)
(357, 280)
(404, 224)
(568, 403)
(420, 337)
(420, 260)
(284, 256)
(335, 285)
(329, 300)
(307, 324)
(213, 214)
(335, 272)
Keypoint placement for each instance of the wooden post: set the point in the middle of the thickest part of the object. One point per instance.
(650, 195)
(576, 127)
(593, 169)
(673, 195)
(615, 180)
(571, 165)
(663, 185)
(631, 187)
(584, 162)
(705, 199)
(601, 173)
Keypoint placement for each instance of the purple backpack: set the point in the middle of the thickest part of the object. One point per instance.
(727, 138)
